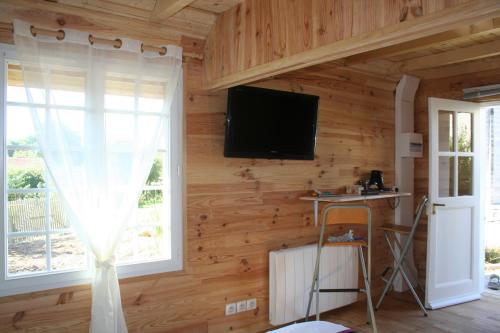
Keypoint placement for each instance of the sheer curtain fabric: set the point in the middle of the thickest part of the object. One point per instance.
(99, 114)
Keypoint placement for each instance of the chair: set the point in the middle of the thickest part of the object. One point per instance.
(334, 214)
(393, 230)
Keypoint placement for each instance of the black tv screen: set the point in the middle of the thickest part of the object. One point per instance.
(272, 124)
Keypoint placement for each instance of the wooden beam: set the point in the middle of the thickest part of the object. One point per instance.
(464, 54)
(461, 33)
(167, 8)
(393, 34)
(476, 66)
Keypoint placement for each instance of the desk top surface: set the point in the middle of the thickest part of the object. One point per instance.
(356, 197)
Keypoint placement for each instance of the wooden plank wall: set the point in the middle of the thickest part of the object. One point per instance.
(238, 210)
(448, 87)
(258, 32)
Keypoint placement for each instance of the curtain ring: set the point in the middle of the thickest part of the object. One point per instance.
(119, 45)
(59, 37)
(161, 50)
(59, 34)
(91, 39)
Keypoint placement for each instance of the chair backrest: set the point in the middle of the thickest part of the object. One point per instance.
(336, 214)
(418, 213)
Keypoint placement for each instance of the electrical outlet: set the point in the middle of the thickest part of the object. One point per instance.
(251, 304)
(230, 309)
(241, 306)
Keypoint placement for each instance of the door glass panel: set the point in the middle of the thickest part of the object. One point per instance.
(446, 138)
(464, 131)
(446, 176)
(465, 175)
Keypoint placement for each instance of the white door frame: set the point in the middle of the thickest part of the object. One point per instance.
(434, 297)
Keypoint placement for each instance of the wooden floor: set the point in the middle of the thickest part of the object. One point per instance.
(399, 313)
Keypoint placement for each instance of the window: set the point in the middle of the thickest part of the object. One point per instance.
(40, 249)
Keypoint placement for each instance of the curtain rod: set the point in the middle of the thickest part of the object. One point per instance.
(116, 43)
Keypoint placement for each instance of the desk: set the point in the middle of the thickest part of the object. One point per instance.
(343, 199)
(349, 198)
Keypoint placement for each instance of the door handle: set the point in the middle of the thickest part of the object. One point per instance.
(434, 205)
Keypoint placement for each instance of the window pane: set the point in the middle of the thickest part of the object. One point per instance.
(67, 251)
(464, 131)
(27, 254)
(67, 87)
(445, 129)
(149, 238)
(145, 243)
(120, 129)
(15, 85)
(446, 176)
(58, 219)
(152, 244)
(150, 104)
(73, 124)
(19, 127)
(20, 95)
(25, 169)
(125, 250)
(150, 201)
(26, 212)
(464, 175)
(156, 174)
(67, 98)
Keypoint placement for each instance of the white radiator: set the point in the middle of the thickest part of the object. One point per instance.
(290, 279)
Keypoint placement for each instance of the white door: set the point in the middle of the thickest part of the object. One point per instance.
(453, 241)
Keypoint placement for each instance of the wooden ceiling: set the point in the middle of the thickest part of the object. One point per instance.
(183, 22)
(461, 49)
(193, 16)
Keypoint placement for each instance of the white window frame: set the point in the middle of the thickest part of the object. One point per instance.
(59, 279)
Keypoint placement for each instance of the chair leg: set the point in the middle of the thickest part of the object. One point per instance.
(400, 268)
(314, 287)
(315, 280)
(371, 315)
(394, 271)
(388, 283)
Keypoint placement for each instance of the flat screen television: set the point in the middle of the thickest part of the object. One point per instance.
(271, 124)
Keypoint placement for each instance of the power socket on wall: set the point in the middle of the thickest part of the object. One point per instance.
(241, 306)
(230, 309)
(251, 304)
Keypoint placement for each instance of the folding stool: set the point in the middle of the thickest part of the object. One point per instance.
(392, 230)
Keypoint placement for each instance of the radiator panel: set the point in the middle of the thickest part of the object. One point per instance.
(290, 278)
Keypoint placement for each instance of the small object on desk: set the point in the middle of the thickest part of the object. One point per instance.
(347, 237)
(353, 189)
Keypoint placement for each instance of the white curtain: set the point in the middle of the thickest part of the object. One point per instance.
(99, 113)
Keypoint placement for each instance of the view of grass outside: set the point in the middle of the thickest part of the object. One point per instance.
(27, 214)
(492, 255)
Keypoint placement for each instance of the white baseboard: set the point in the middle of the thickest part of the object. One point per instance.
(452, 301)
